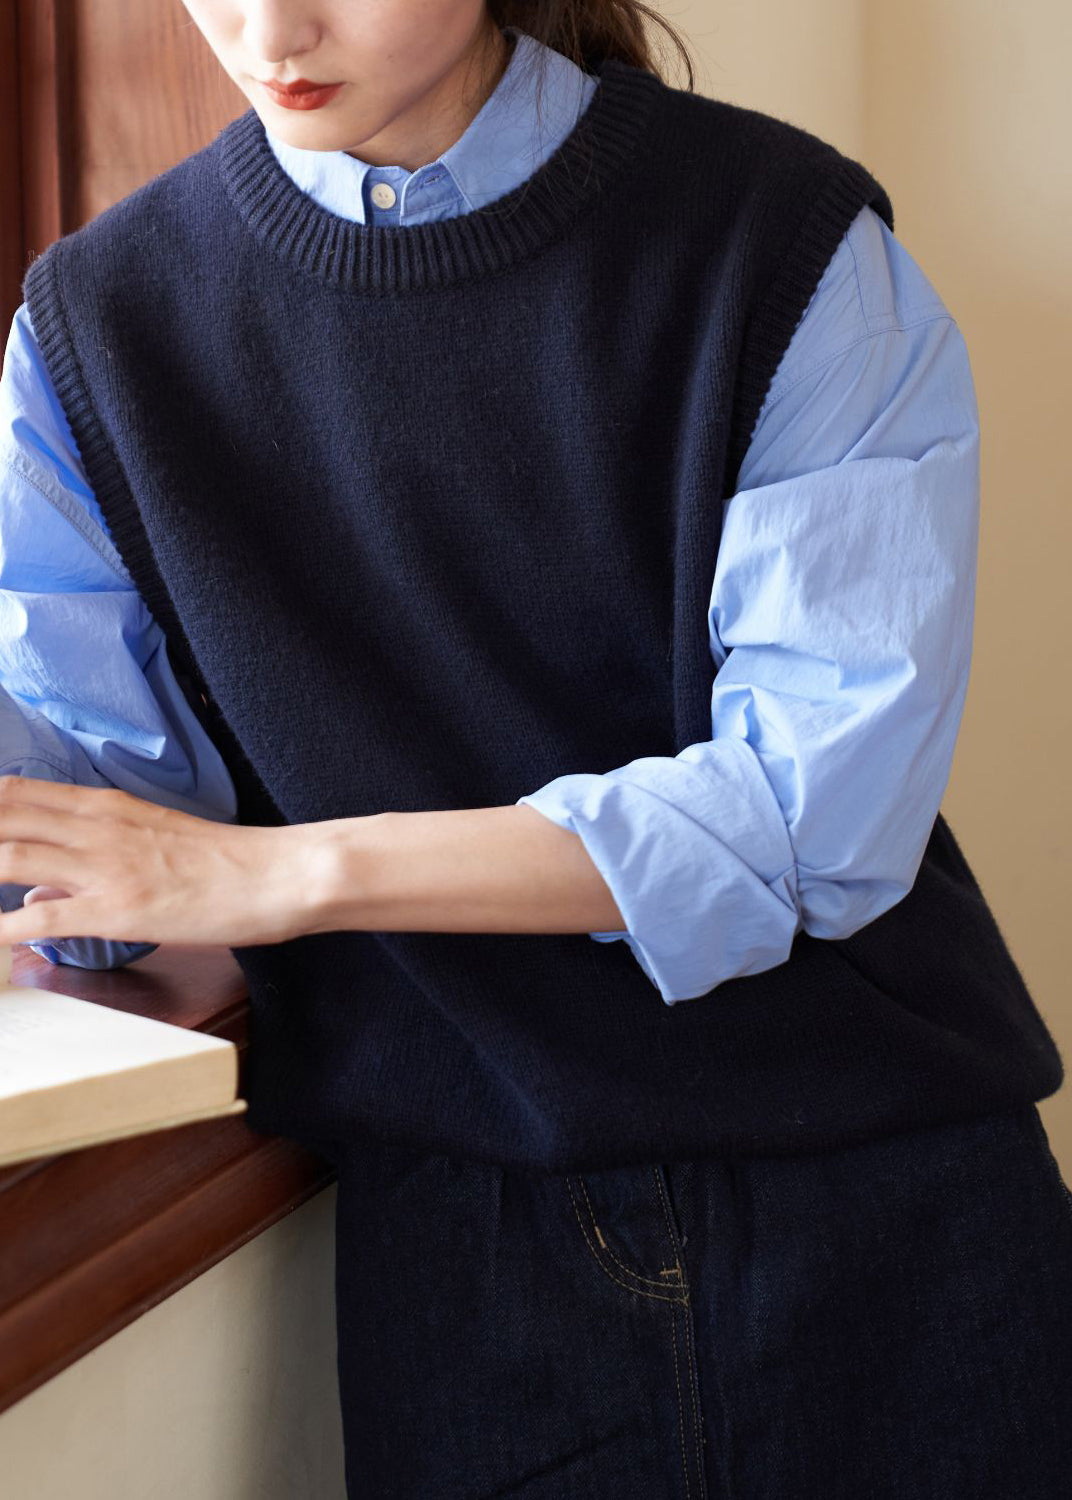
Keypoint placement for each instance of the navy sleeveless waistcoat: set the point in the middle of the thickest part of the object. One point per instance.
(429, 515)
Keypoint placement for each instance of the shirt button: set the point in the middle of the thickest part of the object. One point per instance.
(383, 195)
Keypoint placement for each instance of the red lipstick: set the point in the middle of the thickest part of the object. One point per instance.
(301, 94)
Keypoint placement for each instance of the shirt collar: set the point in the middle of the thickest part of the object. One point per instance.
(502, 145)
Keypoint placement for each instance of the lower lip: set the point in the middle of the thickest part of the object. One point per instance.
(314, 99)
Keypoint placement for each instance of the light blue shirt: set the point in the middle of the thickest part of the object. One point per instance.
(840, 618)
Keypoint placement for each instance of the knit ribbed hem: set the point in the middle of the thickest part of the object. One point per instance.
(410, 257)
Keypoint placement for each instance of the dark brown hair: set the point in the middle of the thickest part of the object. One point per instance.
(586, 31)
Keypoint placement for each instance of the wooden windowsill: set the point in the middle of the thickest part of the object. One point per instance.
(90, 1239)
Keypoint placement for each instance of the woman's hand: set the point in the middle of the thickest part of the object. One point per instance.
(110, 865)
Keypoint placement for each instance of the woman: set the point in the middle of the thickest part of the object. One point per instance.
(455, 433)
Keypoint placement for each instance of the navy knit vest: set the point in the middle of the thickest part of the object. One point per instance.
(340, 461)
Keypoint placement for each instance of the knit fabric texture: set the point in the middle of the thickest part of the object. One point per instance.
(339, 461)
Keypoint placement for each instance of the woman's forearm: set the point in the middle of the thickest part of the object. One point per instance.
(485, 869)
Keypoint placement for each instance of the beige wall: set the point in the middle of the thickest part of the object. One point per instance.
(226, 1391)
(962, 110)
(967, 120)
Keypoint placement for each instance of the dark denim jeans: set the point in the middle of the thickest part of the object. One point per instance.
(890, 1321)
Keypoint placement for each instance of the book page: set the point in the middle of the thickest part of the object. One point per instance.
(48, 1039)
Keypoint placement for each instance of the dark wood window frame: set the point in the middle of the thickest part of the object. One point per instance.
(35, 177)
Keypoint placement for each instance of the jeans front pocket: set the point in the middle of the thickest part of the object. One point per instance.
(625, 1220)
(627, 1229)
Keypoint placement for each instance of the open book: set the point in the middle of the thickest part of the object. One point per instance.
(74, 1073)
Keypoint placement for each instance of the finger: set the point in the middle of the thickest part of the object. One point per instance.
(46, 825)
(47, 920)
(41, 864)
(43, 893)
(70, 797)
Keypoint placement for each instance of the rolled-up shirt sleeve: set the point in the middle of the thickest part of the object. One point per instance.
(840, 624)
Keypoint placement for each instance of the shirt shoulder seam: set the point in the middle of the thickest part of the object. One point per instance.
(863, 338)
(79, 521)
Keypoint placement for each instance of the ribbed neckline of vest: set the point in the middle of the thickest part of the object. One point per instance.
(414, 257)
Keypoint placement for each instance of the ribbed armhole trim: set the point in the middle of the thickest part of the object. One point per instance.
(44, 296)
(847, 189)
